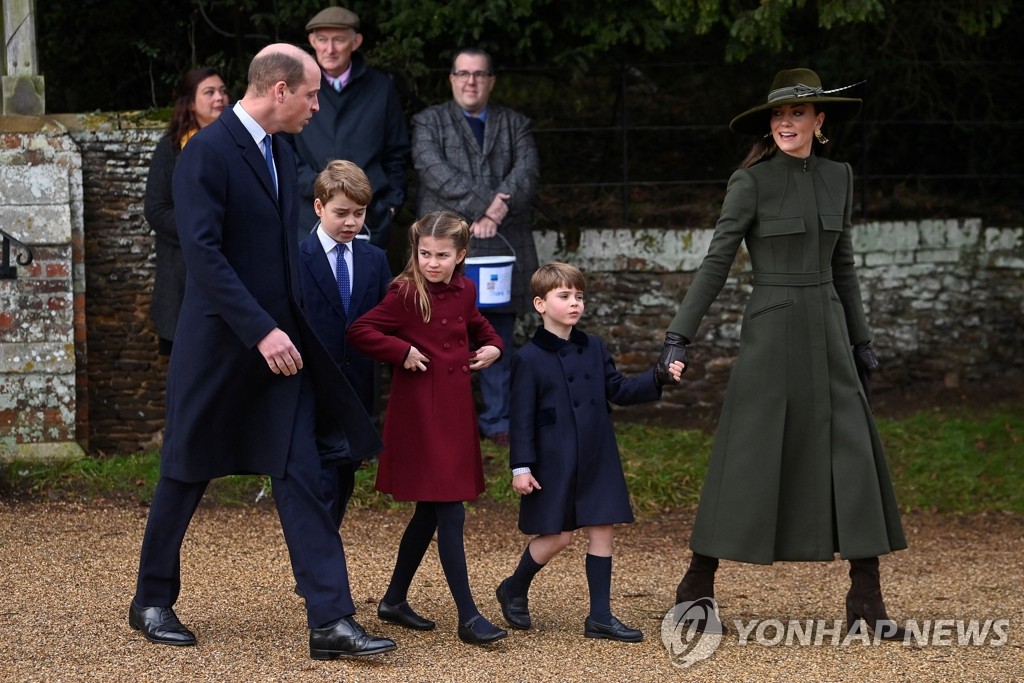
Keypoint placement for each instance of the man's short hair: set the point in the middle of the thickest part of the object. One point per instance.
(267, 69)
(344, 177)
(473, 52)
(556, 274)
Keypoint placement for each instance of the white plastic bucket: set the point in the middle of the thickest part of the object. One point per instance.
(493, 277)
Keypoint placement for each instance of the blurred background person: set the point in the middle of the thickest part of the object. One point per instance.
(202, 96)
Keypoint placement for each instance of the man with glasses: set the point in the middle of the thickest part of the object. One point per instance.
(360, 120)
(479, 160)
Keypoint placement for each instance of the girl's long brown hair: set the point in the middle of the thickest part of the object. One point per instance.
(439, 225)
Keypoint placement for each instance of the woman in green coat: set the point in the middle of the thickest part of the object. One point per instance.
(797, 471)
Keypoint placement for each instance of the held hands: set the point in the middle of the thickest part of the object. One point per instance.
(484, 357)
(281, 355)
(414, 360)
(865, 357)
(524, 484)
(672, 353)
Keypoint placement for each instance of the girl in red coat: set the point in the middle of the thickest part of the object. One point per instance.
(427, 328)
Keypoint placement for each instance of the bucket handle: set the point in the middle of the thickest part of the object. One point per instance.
(497, 234)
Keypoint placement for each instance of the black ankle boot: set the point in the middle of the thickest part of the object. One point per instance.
(699, 579)
(699, 582)
(864, 602)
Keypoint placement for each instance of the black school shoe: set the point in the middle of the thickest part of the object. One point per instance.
(613, 631)
(515, 610)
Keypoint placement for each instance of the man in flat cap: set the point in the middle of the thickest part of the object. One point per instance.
(360, 120)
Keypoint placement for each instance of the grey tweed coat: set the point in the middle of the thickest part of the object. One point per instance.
(456, 174)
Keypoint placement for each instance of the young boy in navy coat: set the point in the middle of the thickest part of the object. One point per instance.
(335, 294)
(564, 458)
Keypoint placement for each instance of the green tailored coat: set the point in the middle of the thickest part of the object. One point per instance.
(797, 470)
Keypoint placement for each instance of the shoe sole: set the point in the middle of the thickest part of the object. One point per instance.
(468, 641)
(605, 636)
(340, 654)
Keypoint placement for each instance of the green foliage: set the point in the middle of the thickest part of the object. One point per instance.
(958, 463)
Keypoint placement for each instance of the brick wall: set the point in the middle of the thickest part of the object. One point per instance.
(945, 298)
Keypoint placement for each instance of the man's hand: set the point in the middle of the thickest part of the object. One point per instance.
(524, 484)
(484, 228)
(279, 352)
(498, 208)
(673, 351)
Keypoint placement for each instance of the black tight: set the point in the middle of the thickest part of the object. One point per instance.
(448, 519)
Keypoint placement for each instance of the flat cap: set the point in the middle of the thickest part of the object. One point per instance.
(333, 17)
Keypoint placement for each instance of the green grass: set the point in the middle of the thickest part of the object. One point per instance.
(952, 462)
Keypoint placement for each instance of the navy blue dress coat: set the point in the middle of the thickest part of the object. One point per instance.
(327, 316)
(227, 413)
(561, 429)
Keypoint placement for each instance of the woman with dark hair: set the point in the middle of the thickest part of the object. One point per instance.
(797, 471)
(202, 97)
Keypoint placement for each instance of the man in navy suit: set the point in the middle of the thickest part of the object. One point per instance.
(342, 277)
(250, 389)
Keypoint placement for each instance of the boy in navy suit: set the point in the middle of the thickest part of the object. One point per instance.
(342, 277)
(565, 461)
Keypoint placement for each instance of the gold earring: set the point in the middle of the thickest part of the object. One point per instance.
(820, 137)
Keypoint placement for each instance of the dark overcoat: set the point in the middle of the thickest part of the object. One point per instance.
(327, 316)
(431, 444)
(797, 470)
(169, 280)
(227, 413)
(363, 124)
(457, 174)
(561, 429)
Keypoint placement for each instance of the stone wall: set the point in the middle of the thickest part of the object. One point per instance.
(946, 298)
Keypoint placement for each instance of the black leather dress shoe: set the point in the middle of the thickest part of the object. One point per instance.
(515, 610)
(613, 631)
(403, 615)
(346, 638)
(479, 631)
(159, 625)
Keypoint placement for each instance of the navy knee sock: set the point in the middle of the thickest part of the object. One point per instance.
(519, 583)
(599, 581)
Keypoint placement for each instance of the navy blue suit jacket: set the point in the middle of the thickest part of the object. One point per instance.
(227, 413)
(327, 317)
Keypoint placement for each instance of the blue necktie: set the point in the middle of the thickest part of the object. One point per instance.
(268, 154)
(477, 126)
(341, 272)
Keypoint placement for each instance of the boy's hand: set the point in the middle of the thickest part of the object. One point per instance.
(676, 370)
(524, 484)
(414, 360)
(484, 357)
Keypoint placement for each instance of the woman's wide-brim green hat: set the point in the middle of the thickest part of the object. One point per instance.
(796, 86)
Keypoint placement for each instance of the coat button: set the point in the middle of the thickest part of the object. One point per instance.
(575, 404)
(451, 370)
(444, 321)
(440, 296)
(570, 378)
(447, 345)
(465, 368)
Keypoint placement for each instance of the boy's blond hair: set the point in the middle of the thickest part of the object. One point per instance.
(556, 274)
(343, 177)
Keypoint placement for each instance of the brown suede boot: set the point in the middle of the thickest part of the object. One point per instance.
(864, 602)
(699, 582)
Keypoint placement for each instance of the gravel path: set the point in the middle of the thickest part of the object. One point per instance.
(67, 574)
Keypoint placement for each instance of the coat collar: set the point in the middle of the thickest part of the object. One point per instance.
(550, 342)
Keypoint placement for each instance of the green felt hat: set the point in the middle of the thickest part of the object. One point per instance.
(796, 86)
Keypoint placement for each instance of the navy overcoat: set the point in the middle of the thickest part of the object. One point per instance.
(561, 429)
(227, 413)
